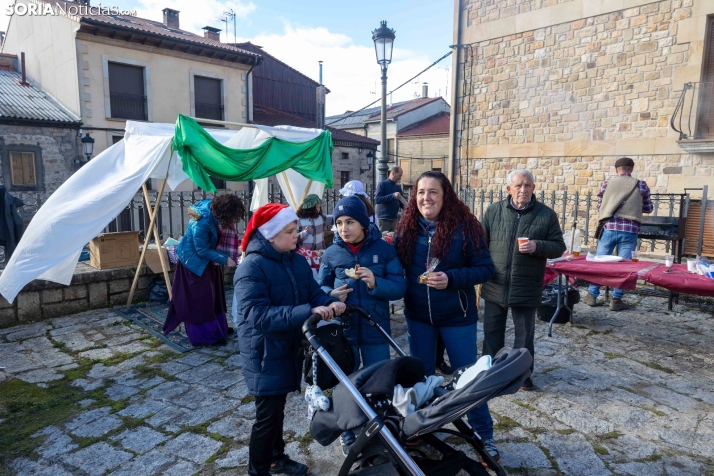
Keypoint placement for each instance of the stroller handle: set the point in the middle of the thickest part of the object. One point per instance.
(310, 325)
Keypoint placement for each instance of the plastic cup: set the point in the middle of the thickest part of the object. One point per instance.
(668, 261)
(522, 241)
(635, 256)
(692, 265)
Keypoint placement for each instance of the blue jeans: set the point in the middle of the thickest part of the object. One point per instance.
(370, 354)
(461, 347)
(625, 242)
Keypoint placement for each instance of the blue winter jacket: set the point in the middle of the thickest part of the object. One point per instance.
(388, 206)
(274, 292)
(455, 305)
(381, 258)
(198, 245)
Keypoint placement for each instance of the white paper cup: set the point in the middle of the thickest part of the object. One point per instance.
(668, 261)
(692, 265)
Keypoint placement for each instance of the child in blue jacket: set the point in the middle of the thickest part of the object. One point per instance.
(380, 280)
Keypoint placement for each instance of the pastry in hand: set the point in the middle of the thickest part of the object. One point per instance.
(423, 278)
(352, 272)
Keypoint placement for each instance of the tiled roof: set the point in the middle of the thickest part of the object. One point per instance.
(342, 121)
(18, 102)
(152, 27)
(402, 108)
(433, 125)
(271, 117)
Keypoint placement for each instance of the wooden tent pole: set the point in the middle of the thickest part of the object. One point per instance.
(162, 258)
(149, 231)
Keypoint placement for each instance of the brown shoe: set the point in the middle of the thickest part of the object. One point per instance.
(618, 305)
(527, 385)
(590, 300)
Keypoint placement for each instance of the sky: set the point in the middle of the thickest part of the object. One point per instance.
(337, 32)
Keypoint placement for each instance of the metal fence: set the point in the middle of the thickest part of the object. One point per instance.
(173, 218)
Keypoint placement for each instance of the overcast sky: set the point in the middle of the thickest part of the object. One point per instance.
(336, 32)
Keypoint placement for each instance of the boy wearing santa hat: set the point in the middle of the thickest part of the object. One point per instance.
(275, 293)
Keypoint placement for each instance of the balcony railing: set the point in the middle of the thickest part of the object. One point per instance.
(693, 117)
(209, 111)
(128, 106)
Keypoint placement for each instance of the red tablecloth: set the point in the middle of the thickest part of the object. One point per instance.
(621, 275)
(680, 280)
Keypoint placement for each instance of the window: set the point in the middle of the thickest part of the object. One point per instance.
(22, 167)
(127, 95)
(391, 151)
(220, 184)
(705, 113)
(344, 178)
(436, 169)
(345, 156)
(208, 94)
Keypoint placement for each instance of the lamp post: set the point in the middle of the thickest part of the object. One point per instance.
(87, 146)
(383, 38)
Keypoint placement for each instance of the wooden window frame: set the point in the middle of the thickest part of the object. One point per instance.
(39, 168)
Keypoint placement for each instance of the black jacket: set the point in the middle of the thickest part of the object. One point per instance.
(519, 277)
(11, 224)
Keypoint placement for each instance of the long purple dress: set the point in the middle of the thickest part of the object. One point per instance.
(200, 303)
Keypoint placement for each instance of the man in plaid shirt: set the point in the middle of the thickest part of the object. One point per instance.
(621, 202)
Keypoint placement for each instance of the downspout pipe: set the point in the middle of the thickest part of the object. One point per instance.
(454, 92)
(248, 88)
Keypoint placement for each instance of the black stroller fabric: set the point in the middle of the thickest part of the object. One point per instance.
(333, 340)
(506, 376)
(344, 413)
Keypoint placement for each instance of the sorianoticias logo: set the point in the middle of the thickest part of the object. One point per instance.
(62, 8)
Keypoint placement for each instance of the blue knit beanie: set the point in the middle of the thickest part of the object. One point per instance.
(353, 207)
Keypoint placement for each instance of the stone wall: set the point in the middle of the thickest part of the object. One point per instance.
(90, 288)
(480, 11)
(60, 148)
(356, 160)
(418, 154)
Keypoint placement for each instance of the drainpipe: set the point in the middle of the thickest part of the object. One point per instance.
(454, 94)
(248, 86)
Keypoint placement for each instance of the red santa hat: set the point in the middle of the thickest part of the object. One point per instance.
(269, 220)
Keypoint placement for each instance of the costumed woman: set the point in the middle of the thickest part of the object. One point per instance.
(199, 299)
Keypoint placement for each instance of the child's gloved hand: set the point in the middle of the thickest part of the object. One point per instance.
(316, 399)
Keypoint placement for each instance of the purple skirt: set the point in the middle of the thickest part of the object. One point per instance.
(200, 303)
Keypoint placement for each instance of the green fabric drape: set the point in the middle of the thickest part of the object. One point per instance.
(203, 157)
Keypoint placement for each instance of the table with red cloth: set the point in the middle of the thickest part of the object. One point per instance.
(679, 280)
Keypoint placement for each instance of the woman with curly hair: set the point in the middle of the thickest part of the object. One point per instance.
(199, 299)
(436, 225)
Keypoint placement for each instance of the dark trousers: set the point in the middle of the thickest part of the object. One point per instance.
(267, 433)
(440, 350)
(494, 328)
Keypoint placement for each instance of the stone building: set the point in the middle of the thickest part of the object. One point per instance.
(39, 139)
(565, 87)
(423, 146)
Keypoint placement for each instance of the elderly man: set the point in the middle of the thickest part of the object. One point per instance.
(387, 198)
(621, 202)
(520, 264)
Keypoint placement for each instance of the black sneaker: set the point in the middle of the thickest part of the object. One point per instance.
(527, 385)
(444, 368)
(287, 466)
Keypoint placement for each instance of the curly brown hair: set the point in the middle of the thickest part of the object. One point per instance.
(227, 208)
(308, 212)
(454, 215)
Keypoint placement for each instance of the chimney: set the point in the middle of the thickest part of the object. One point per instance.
(171, 18)
(425, 90)
(24, 71)
(212, 33)
(9, 62)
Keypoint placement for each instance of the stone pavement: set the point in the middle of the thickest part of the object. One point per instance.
(629, 393)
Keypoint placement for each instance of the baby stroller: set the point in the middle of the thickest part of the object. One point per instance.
(362, 401)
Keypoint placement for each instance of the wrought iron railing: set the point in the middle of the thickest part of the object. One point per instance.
(128, 106)
(693, 117)
(209, 111)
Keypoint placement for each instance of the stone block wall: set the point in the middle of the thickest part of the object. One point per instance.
(418, 154)
(481, 11)
(90, 288)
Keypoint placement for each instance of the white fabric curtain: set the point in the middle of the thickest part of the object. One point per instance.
(94, 195)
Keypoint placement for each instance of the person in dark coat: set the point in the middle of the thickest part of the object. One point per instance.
(520, 267)
(199, 298)
(275, 293)
(11, 225)
(380, 280)
(387, 198)
(437, 225)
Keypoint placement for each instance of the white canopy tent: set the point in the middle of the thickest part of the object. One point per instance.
(91, 198)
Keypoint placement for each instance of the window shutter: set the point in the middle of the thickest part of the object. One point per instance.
(126, 91)
(705, 115)
(208, 98)
(22, 168)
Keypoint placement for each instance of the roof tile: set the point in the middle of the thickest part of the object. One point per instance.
(28, 102)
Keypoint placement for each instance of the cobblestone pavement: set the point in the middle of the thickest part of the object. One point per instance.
(629, 393)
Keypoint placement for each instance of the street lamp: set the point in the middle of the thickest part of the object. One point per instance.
(383, 38)
(88, 146)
